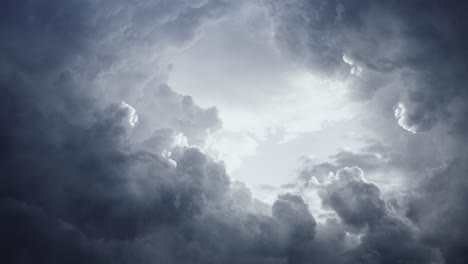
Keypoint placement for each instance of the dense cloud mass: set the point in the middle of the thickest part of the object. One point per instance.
(101, 161)
(382, 38)
(420, 45)
(387, 238)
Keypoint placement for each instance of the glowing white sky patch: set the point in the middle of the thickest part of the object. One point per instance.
(242, 143)
(264, 101)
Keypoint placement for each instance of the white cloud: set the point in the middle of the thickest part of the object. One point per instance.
(355, 69)
(131, 114)
(401, 115)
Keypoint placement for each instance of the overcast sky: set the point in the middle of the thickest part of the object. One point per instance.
(250, 131)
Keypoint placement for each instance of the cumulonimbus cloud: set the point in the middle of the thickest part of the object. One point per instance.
(88, 179)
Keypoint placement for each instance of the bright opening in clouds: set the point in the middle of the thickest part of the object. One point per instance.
(264, 98)
(215, 131)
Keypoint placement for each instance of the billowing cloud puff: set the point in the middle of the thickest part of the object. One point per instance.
(413, 121)
(385, 236)
(123, 112)
(382, 43)
(356, 201)
(292, 211)
(165, 109)
(401, 115)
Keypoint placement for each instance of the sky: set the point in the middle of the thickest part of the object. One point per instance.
(250, 131)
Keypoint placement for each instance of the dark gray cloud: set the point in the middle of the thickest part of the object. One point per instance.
(422, 45)
(77, 188)
(357, 202)
(385, 236)
(387, 42)
(74, 188)
(96, 168)
(439, 208)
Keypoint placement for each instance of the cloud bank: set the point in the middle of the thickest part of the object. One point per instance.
(102, 162)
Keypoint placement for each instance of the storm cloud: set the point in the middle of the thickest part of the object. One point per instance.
(421, 45)
(101, 161)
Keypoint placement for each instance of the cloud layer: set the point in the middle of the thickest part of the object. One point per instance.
(102, 162)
